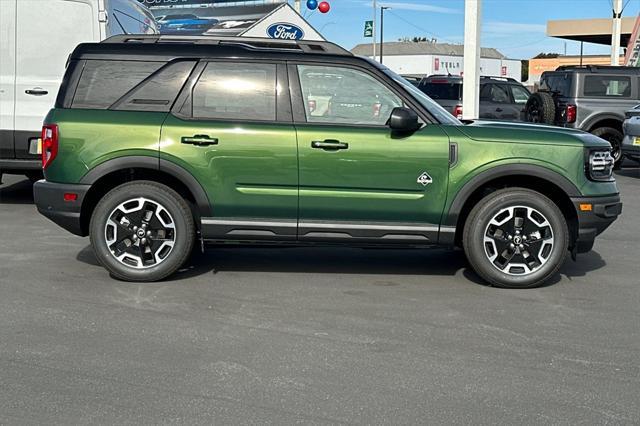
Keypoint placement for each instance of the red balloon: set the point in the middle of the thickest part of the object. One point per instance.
(324, 7)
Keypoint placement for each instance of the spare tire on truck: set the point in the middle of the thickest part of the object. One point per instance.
(540, 108)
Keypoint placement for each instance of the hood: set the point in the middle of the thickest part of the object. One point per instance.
(499, 131)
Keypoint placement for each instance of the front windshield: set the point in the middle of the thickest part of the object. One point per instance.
(433, 107)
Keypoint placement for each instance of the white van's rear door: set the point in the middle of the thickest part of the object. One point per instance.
(47, 32)
(7, 76)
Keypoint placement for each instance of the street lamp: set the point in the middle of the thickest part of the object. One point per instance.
(382, 9)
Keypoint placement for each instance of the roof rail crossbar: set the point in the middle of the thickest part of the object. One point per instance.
(306, 46)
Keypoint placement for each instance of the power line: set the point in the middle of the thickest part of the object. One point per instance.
(420, 28)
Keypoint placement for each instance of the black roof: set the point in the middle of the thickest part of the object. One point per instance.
(162, 47)
(599, 69)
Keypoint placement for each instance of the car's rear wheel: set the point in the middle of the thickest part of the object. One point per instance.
(142, 231)
(614, 137)
(516, 238)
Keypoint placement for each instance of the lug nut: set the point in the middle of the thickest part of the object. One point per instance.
(148, 233)
(144, 241)
(512, 246)
(510, 237)
(135, 228)
(521, 246)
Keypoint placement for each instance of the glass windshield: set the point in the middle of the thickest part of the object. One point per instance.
(432, 106)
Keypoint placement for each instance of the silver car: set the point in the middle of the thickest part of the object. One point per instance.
(631, 141)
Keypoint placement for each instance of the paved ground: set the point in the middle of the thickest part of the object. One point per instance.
(313, 335)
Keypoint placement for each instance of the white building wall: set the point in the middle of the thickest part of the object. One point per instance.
(426, 65)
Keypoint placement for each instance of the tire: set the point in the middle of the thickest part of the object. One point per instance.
(488, 245)
(142, 231)
(614, 137)
(540, 108)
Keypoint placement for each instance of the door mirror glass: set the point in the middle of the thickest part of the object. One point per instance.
(403, 120)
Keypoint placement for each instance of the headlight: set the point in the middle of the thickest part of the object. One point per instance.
(600, 165)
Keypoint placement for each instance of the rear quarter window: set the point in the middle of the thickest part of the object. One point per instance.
(104, 82)
(559, 83)
(607, 86)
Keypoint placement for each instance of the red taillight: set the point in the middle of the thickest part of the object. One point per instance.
(312, 105)
(571, 113)
(376, 109)
(49, 144)
(457, 111)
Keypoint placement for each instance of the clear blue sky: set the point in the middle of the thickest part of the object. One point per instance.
(515, 27)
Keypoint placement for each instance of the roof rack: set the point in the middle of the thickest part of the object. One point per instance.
(499, 78)
(596, 68)
(254, 43)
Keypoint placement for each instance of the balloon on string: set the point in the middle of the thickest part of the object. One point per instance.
(324, 7)
(312, 4)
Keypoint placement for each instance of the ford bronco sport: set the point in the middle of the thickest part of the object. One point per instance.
(157, 142)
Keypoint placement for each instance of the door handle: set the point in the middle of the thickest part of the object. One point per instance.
(498, 109)
(329, 144)
(199, 140)
(36, 91)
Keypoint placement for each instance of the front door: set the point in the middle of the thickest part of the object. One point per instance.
(234, 134)
(359, 181)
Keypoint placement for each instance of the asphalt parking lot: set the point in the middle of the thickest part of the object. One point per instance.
(316, 335)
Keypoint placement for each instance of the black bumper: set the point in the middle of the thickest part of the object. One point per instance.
(49, 199)
(19, 166)
(631, 151)
(604, 210)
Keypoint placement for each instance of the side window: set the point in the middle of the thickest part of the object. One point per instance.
(236, 90)
(344, 96)
(602, 85)
(500, 94)
(104, 82)
(159, 91)
(520, 95)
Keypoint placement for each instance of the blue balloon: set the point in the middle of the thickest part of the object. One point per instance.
(312, 4)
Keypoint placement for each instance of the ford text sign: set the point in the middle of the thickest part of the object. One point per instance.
(285, 31)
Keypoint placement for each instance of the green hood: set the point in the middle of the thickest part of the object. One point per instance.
(496, 131)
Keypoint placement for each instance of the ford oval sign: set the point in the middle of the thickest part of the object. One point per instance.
(284, 31)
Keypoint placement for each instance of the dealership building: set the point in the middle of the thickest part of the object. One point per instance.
(424, 58)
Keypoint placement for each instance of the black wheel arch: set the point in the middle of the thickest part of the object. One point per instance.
(603, 120)
(112, 173)
(545, 181)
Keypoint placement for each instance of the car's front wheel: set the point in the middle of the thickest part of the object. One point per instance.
(516, 238)
(142, 231)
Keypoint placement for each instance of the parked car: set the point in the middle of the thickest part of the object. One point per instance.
(36, 39)
(185, 24)
(154, 145)
(501, 98)
(589, 98)
(631, 141)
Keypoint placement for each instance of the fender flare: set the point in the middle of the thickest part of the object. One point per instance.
(152, 163)
(451, 217)
(591, 121)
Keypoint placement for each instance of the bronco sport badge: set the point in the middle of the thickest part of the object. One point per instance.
(424, 179)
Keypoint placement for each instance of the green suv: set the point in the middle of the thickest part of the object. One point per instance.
(156, 142)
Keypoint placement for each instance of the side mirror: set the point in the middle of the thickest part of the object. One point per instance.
(403, 120)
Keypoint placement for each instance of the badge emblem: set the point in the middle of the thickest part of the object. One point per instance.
(424, 179)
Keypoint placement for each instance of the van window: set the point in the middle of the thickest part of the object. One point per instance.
(160, 91)
(445, 90)
(236, 91)
(104, 82)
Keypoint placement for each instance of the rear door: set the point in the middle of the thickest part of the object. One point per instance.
(47, 32)
(496, 102)
(232, 130)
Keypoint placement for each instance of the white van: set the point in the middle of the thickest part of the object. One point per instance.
(36, 38)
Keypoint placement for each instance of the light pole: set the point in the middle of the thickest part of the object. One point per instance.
(382, 9)
(373, 33)
(615, 32)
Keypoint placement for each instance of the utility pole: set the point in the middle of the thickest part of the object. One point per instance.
(471, 77)
(373, 35)
(615, 32)
(382, 9)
